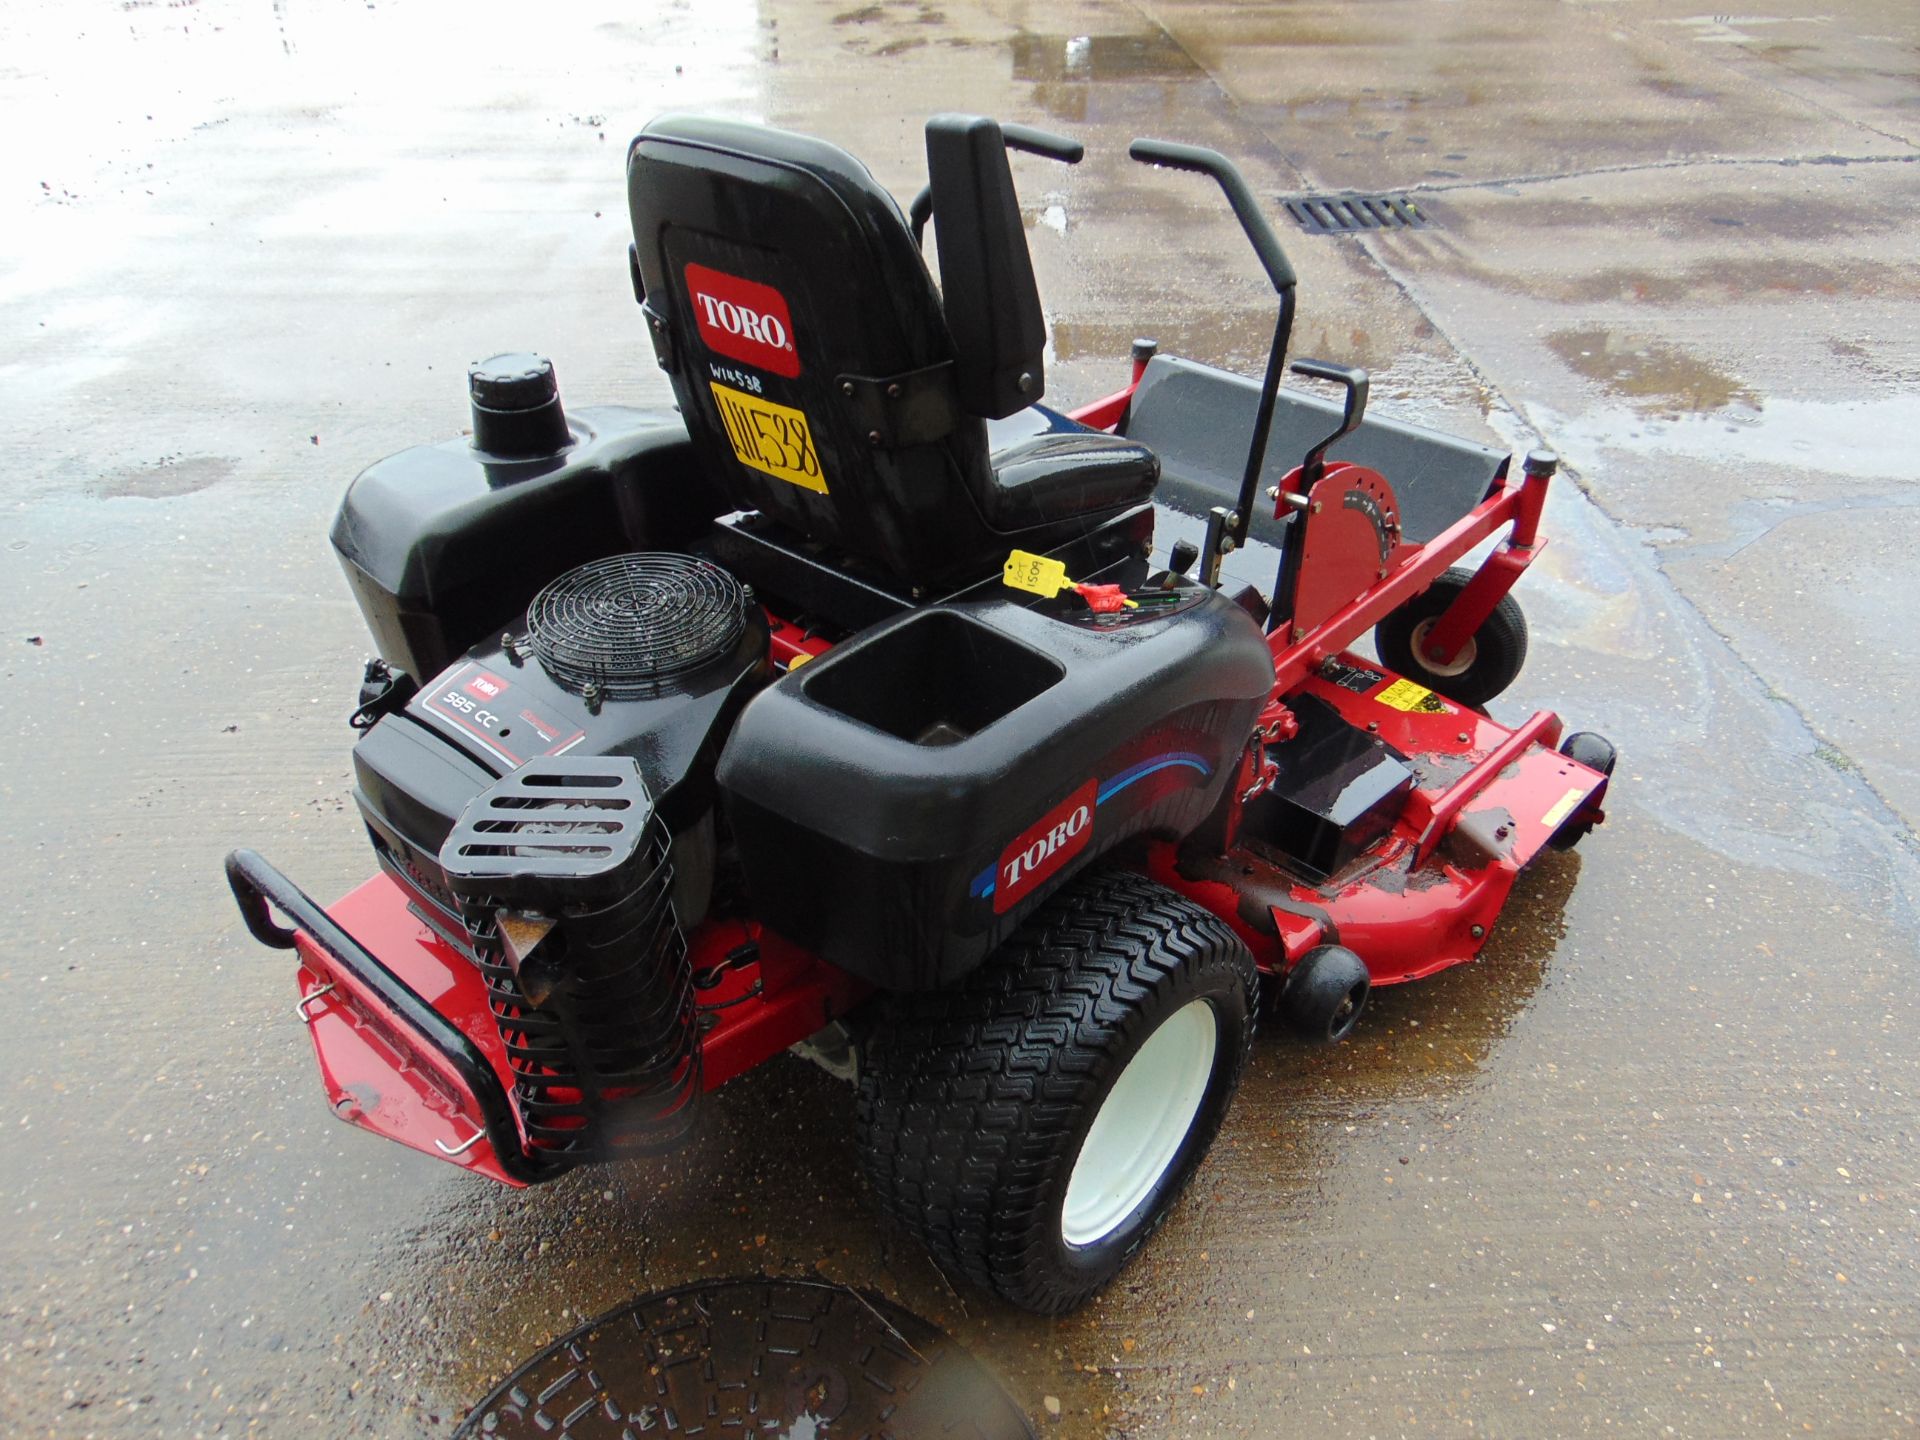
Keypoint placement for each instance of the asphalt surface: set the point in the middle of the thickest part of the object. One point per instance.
(1651, 1166)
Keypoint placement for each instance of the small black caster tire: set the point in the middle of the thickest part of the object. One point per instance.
(1596, 752)
(1485, 666)
(1034, 1122)
(1325, 994)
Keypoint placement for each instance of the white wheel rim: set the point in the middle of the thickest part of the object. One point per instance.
(1141, 1125)
(1462, 658)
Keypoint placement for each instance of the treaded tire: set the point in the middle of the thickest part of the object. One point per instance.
(975, 1100)
(1493, 656)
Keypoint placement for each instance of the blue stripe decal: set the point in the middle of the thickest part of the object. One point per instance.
(984, 883)
(1147, 767)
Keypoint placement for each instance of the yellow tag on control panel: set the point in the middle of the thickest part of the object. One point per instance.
(773, 439)
(1035, 574)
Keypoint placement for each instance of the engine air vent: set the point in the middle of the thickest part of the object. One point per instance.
(616, 628)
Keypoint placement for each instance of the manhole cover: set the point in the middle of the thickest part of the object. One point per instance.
(783, 1359)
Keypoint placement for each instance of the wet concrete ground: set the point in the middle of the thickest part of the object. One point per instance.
(1649, 1167)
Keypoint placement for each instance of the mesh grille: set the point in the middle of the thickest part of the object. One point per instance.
(627, 623)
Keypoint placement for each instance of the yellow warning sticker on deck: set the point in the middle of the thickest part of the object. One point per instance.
(1035, 574)
(773, 439)
(1563, 807)
(1405, 695)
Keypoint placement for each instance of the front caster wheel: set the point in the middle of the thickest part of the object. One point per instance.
(1034, 1123)
(1596, 752)
(1482, 668)
(1325, 994)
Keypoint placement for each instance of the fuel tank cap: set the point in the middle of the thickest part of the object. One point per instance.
(516, 406)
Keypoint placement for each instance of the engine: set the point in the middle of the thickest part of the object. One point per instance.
(547, 801)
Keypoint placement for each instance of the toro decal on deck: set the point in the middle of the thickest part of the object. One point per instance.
(743, 320)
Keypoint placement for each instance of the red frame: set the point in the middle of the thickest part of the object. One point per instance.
(383, 1079)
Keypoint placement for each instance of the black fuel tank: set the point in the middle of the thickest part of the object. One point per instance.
(443, 545)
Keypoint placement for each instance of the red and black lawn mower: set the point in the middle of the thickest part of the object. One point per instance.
(852, 704)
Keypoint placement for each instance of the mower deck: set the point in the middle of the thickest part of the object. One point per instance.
(1425, 894)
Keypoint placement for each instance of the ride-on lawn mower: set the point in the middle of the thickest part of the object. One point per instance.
(853, 706)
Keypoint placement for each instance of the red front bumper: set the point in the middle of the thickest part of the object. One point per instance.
(407, 1044)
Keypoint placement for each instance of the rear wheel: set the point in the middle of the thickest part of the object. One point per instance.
(1034, 1123)
(1482, 668)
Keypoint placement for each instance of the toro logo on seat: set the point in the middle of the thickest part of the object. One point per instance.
(743, 320)
(1041, 849)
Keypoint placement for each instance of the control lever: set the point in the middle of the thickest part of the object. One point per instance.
(1355, 381)
(1273, 260)
(1202, 161)
(1043, 142)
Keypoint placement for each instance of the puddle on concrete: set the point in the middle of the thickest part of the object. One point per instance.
(1868, 439)
(1051, 58)
(1654, 376)
(1733, 278)
(170, 475)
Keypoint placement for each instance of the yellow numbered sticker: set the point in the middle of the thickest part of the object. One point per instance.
(1563, 807)
(1035, 574)
(773, 439)
(1405, 695)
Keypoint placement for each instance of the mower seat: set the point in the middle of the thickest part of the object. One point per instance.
(1049, 470)
(815, 365)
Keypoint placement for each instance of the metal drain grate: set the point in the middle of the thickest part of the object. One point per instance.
(1351, 214)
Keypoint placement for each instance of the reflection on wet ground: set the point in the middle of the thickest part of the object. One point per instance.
(1863, 438)
(1657, 377)
(1646, 1166)
(1048, 59)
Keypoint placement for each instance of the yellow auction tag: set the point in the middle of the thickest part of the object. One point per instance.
(773, 439)
(1035, 574)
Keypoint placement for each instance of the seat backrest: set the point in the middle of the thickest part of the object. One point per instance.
(986, 272)
(806, 342)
